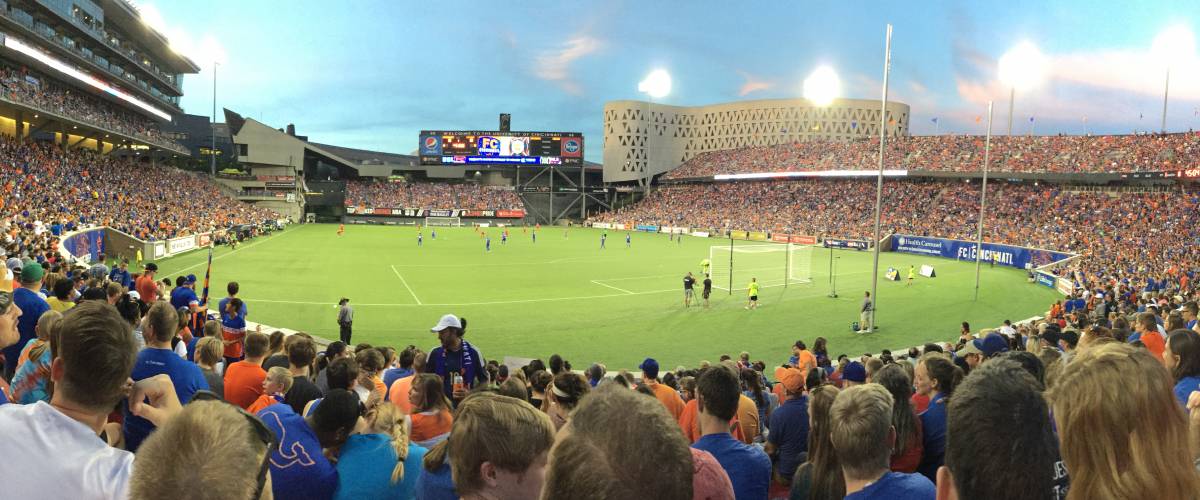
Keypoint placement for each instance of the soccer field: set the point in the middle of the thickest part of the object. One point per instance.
(565, 295)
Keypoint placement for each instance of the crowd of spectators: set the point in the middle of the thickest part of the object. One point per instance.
(959, 153)
(35, 90)
(45, 191)
(1055, 409)
(1122, 236)
(432, 195)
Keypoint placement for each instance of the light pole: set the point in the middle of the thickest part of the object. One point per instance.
(1172, 45)
(821, 88)
(887, 66)
(987, 149)
(212, 153)
(1022, 67)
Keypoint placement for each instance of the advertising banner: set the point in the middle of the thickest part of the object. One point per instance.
(160, 249)
(647, 228)
(756, 236)
(179, 245)
(510, 214)
(601, 225)
(840, 243)
(1046, 279)
(700, 234)
(1006, 255)
(203, 240)
(1064, 286)
(739, 235)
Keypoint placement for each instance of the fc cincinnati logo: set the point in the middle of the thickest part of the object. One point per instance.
(572, 146)
(430, 142)
(901, 241)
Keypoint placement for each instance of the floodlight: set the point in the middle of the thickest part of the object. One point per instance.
(822, 86)
(1023, 67)
(657, 84)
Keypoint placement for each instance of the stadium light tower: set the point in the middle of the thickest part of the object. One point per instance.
(1173, 45)
(822, 86)
(656, 85)
(883, 121)
(1022, 67)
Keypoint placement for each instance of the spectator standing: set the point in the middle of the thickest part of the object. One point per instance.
(501, 469)
(120, 274)
(147, 285)
(861, 420)
(906, 454)
(432, 414)
(158, 358)
(233, 322)
(748, 467)
(208, 358)
(820, 477)
(31, 305)
(398, 393)
(935, 377)
(1182, 358)
(788, 438)
(243, 379)
(345, 320)
(997, 409)
(455, 356)
(665, 395)
(1114, 410)
(301, 355)
(392, 374)
(566, 390)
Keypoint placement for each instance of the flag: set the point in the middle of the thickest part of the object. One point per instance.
(1140, 116)
(934, 120)
(207, 275)
(1031, 119)
(978, 118)
(853, 124)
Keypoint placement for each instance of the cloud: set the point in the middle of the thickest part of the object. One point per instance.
(555, 65)
(752, 84)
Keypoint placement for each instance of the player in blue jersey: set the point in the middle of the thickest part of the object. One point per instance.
(432, 233)
(603, 236)
(504, 237)
(487, 243)
(627, 240)
(420, 239)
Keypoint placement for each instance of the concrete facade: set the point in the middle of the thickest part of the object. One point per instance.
(644, 139)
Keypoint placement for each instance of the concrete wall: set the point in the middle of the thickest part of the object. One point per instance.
(643, 139)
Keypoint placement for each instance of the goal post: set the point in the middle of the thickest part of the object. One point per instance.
(770, 264)
(443, 221)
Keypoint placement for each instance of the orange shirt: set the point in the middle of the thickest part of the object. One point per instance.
(147, 289)
(264, 401)
(669, 399)
(747, 418)
(380, 389)
(234, 349)
(689, 422)
(1154, 343)
(243, 383)
(426, 426)
(806, 361)
(398, 394)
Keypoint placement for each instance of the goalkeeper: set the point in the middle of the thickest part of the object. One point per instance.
(704, 266)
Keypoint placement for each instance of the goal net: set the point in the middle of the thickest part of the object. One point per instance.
(443, 221)
(771, 264)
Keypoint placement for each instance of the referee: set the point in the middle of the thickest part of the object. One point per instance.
(707, 289)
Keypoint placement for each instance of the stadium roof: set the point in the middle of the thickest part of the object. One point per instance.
(126, 16)
(365, 155)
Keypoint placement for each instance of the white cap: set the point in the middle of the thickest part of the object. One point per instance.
(134, 295)
(447, 321)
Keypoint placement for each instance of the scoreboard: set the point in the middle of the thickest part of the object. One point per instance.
(437, 147)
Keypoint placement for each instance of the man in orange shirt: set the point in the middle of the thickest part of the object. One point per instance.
(398, 393)
(244, 379)
(664, 393)
(146, 287)
(804, 359)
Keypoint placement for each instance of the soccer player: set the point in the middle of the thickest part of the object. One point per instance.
(603, 236)
(420, 238)
(689, 284)
(504, 237)
(432, 233)
(487, 243)
(753, 292)
(341, 229)
(707, 289)
(535, 236)
(912, 274)
(704, 266)
(679, 239)
(627, 240)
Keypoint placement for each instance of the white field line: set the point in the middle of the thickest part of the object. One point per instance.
(409, 288)
(612, 287)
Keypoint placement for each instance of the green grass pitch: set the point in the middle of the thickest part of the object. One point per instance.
(617, 306)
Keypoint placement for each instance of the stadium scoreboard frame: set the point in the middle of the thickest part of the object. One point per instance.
(465, 147)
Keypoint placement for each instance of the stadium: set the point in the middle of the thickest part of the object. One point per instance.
(714, 287)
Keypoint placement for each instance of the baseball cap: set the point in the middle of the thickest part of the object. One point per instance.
(447, 321)
(191, 278)
(854, 372)
(150, 266)
(991, 345)
(14, 263)
(650, 367)
(973, 347)
(32, 272)
(133, 294)
(791, 378)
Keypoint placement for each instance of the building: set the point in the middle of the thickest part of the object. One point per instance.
(88, 73)
(644, 139)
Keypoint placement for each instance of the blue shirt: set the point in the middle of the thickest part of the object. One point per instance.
(298, 469)
(186, 377)
(121, 277)
(32, 306)
(933, 425)
(391, 375)
(897, 486)
(748, 467)
(1184, 388)
(789, 433)
(234, 322)
(365, 467)
(436, 485)
(183, 296)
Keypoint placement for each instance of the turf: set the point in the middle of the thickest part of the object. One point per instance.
(564, 295)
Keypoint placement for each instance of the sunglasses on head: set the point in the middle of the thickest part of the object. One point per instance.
(260, 431)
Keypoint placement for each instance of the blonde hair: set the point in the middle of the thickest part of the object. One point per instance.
(859, 422)
(209, 439)
(509, 433)
(1123, 434)
(280, 375)
(387, 419)
(209, 351)
(212, 329)
(45, 328)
